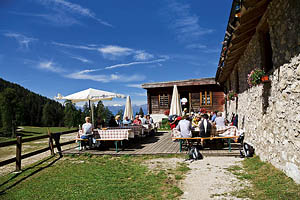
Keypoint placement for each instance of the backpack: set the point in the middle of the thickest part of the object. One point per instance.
(247, 150)
(194, 154)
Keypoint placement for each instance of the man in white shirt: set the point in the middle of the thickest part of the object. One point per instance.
(185, 127)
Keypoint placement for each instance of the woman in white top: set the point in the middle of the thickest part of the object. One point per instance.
(87, 130)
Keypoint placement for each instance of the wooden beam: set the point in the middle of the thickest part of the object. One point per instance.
(244, 35)
(246, 26)
(240, 44)
(250, 3)
(258, 10)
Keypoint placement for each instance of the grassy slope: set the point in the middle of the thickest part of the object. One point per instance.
(267, 181)
(31, 131)
(88, 177)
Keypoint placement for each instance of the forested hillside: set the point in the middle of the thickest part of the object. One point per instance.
(20, 106)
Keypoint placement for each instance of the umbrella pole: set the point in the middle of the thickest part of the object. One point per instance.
(92, 109)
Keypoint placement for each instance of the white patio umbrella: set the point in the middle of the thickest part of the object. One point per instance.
(175, 108)
(128, 109)
(90, 95)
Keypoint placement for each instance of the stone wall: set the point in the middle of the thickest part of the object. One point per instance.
(270, 112)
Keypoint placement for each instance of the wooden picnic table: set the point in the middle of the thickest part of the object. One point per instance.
(206, 138)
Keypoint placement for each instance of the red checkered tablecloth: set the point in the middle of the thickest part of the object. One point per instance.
(227, 131)
(121, 134)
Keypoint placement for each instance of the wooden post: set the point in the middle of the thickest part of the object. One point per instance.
(18, 153)
(51, 146)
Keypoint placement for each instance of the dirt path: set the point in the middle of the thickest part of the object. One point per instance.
(207, 179)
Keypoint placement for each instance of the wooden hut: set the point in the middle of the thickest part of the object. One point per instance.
(199, 93)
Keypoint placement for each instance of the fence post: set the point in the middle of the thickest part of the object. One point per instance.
(51, 146)
(18, 153)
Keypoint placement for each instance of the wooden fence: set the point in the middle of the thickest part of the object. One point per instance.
(20, 141)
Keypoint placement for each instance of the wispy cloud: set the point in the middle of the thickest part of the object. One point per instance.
(196, 46)
(112, 52)
(76, 57)
(135, 63)
(85, 47)
(141, 94)
(57, 18)
(104, 78)
(142, 55)
(134, 85)
(23, 40)
(49, 66)
(185, 24)
(82, 59)
(66, 6)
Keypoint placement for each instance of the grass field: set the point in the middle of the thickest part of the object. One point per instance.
(267, 181)
(31, 131)
(93, 177)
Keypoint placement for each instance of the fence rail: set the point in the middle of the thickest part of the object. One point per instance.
(20, 141)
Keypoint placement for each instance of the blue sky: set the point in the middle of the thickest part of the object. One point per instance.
(51, 46)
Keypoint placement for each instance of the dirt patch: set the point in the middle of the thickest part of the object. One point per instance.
(210, 179)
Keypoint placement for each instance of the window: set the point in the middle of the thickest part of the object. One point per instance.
(205, 98)
(163, 100)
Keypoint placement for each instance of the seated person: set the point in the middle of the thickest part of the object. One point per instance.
(174, 119)
(126, 121)
(149, 120)
(100, 123)
(118, 120)
(185, 127)
(87, 132)
(137, 120)
(112, 122)
(196, 122)
(220, 121)
(143, 119)
(205, 127)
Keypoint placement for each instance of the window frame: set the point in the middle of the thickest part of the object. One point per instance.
(206, 94)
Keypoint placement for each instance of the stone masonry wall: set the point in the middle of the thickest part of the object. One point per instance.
(274, 130)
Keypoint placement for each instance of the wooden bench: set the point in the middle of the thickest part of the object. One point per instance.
(206, 138)
(79, 142)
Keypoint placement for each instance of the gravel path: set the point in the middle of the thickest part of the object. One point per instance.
(209, 179)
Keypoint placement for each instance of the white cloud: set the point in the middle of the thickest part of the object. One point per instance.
(23, 40)
(184, 23)
(57, 19)
(142, 55)
(75, 46)
(65, 6)
(104, 78)
(134, 85)
(135, 63)
(112, 52)
(84, 60)
(49, 66)
(141, 94)
(196, 46)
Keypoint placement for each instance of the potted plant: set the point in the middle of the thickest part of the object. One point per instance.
(231, 95)
(255, 77)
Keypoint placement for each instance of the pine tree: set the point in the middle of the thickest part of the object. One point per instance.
(8, 101)
(141, 112)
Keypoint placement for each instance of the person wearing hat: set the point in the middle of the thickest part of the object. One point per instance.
(118, 121)
(196, 122)
(184, 112)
